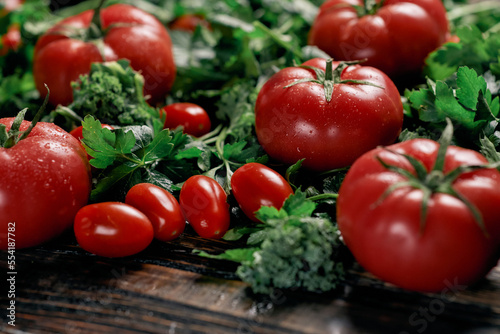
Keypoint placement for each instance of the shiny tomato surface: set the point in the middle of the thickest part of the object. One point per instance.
(44, 181)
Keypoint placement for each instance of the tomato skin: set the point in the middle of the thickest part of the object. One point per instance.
(112, 229)
(385, 236)
(161, 207)
(11, 40)
(44, 181)
(298, 123)
(189, 22)
(193, 118)
(205, 206)
(133, 34)
(255, 185)
(396, 39)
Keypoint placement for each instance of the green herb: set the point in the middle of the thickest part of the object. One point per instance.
(113, 93)
(477, 50)
(131, 155)
(291, 249)
(470, 105)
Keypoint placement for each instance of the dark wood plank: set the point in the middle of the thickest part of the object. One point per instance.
(167, 289)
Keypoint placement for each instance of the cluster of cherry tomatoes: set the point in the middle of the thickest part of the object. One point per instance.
(115, 229)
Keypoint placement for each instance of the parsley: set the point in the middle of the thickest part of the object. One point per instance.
(131, 155)
(477, 50)
(466, 100)
(291, 249)
(113, 93)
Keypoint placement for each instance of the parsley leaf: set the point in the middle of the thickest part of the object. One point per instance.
(290, 249)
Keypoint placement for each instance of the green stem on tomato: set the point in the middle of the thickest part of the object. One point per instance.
(11, 138)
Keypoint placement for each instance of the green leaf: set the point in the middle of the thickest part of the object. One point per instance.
(99, 143)
(118, 175)
(237, 255)
(159, 148)
(298, 205)
(470, 85)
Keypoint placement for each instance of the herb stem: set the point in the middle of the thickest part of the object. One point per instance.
(323, 196)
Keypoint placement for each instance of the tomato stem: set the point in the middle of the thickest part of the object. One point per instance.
(14, 135)
(435, 181)
(95, 30)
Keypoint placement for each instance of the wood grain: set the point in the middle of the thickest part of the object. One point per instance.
(166, 289)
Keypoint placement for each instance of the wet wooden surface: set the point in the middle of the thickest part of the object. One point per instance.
(166, 289)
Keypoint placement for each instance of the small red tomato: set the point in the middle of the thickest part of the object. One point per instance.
(112, 229)
(204, 204)
(189, 22)
(193, 118)
(161, 207)
(11, 40)
(255, 185)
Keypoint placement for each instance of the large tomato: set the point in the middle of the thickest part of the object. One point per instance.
(127, 32)
(44, 181)
(296, 118)
(391, 235)
(394, 35)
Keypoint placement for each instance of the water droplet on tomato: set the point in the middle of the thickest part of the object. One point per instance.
(47, 145)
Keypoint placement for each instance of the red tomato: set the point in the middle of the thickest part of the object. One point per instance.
(189, 22)
(161, 207)
(129, 33)
(395, 38)
(255, 185)
(11, 40)
(193, 118)
(112, 229)
(298, 122)
(384, 232)
(204, 204)
(44, 181)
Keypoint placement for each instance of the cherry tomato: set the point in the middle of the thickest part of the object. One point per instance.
(193, 118)
(384, 230)
(112, 229)
(255, 185)
(205, 206)
(127, 33)
(160, 207)
(299, 122)
(44, 181)
(394, 36)
(11, 40)
(189, 22)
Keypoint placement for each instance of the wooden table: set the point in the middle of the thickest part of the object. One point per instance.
(60, 288)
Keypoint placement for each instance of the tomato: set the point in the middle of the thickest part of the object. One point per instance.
(189, 22)
(193, 118)
(44, 181)
(112, 229)
(205, 206)
(384, 230)
(128, 32)
(255, 185)
(11, 40)
(395, 37)
(160, 207)
(299, 122)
